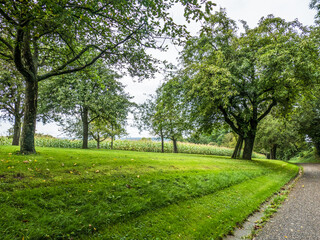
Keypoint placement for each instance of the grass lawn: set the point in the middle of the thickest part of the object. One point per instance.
(104, 194)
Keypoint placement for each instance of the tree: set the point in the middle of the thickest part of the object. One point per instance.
(47, 38)
(89, 95)
(150, 117)
(11, 98)
(241, 78)
(306, 117)
(164, 113)
(172, 111)
(101, 129)
(278, 137)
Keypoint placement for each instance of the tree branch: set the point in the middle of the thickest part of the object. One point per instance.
(228, 120)
(9, 19)
(7, 44)
(7, 56)
(59, 71)
(268, 110)
(17, 55)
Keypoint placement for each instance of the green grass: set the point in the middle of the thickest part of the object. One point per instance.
(102, 194)
(306, 157)
(131, 145)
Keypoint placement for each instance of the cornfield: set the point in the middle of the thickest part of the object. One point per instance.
(134, 145)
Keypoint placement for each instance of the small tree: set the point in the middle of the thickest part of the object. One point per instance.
(306, 117)
(164, 113)
(278, 137)
(150, 117)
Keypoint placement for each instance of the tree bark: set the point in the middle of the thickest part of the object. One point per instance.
(317, 146)
(237, 149)
(241, 143)
(98, 141)
(30, 114)
(85, 128)
(248, 147)
(162, 141)
(175, 146)
(16, 131)
(111, 145)
(273, 151)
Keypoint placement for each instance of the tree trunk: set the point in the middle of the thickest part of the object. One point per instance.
(248, 147)
(175, 147)
(317, 146)
(111, 145)
(16, 131)
(239, 152)
(85, 128)
(162, 141)
(30, 115)
(98, 142)
(273, 151)
(237, 149)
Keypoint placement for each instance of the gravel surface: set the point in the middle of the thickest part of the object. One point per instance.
(299, 216)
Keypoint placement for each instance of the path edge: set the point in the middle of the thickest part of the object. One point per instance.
(266, 210)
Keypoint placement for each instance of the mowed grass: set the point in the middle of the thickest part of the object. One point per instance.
(134, 145)
(104, 194)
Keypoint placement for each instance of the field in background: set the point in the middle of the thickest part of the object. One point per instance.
(132, 145)
(62, 193)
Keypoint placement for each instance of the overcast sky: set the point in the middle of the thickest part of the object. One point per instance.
(248, 10)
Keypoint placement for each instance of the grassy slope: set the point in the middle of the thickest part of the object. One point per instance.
(305, 160)
(68, 193)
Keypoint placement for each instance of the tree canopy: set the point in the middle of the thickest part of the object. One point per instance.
(47, 38)
(240, 78)
(89, 95)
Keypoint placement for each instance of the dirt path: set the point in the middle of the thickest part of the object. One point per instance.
(299, 216)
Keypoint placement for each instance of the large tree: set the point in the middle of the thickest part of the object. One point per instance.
(84, 97)
(46, 38)
(240, 78)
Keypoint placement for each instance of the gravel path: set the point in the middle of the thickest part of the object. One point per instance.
(299, 216)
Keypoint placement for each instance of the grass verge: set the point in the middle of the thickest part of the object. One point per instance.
(102, 194)
(134, 145)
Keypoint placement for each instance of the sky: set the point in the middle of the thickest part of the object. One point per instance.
(249, 10)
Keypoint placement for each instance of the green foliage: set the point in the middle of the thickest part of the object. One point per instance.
(81, 99)
(164, 113)
(306, 117)
(11, 92)
(68, 193)
(44, 39)
(279, 135)
(238, 79)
